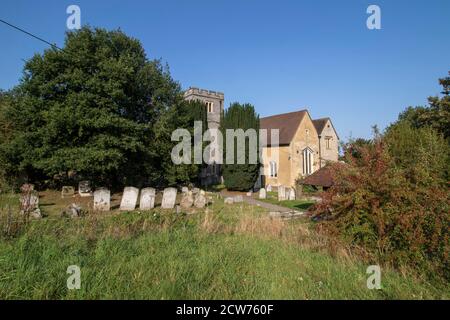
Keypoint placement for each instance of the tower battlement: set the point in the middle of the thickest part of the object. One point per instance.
(193, 91)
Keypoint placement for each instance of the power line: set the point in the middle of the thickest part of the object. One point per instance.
(31, 35)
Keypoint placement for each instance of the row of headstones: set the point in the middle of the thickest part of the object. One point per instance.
(102, 199)
(284, 193)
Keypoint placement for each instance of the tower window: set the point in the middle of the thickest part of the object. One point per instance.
(210, 106)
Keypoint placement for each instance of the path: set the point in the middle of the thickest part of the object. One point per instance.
(275, 210)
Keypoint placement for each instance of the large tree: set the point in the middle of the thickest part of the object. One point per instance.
(241, 177)
(436, 115)
(90, 108)
(180, 116)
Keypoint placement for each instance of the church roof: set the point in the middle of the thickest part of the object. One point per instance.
(286, 123)
(320, 124)
(322, 178)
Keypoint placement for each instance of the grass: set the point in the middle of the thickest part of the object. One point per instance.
(225, 252)
(301, 205)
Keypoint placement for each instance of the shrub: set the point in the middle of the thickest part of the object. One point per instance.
(241, 177)
(379, 205)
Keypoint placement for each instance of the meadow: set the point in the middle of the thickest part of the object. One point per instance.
(223, 252)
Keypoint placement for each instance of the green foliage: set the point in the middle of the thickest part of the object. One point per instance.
(422, 153)
(120, 255)
(241, 177)
(392, 195)
(90, 109)
(436, 115)
(353, 147)
(379, 204)
(182, 115)
(6, 178)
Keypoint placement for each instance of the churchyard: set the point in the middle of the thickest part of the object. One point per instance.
(227, 251)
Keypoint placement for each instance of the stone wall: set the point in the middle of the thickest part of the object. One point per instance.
(331, 153)
(217, 98)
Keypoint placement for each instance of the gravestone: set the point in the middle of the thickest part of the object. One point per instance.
(187, 200)
(129, 199)
(184, 189)
(29, 203)
(281, 193)
(169, 198)
(262, 193)
(67, 192)
(269, 188)
(72, 211)
(102, 199)
(229, 200)
(291, 194)
(200, 201)
(147, 200)
(84, 189)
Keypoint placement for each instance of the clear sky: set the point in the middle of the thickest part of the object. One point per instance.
(281, 56)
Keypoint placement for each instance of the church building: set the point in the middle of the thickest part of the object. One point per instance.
(305, 145)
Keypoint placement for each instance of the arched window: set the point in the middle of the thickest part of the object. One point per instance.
(273, 169)
(307, 157)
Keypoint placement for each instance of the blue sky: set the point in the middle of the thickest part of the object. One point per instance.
(281, 56)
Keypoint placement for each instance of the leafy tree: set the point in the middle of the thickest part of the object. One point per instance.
(378, 205)
(90, 108)
(241, 177)
(182, 115)
(422, 153)
(353, 147)
(436, 115)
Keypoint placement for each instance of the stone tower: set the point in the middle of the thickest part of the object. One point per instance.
(215, 104)
(214, 101)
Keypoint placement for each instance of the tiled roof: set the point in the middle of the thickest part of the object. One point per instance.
(287, 123)
(320, 124)
(321, 177)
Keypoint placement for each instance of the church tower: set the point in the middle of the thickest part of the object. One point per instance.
(215, 103)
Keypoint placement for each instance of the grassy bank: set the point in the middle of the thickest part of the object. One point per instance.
(225, 253)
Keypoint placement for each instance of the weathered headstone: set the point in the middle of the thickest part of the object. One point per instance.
(291, 195)
(102, 199)
(269, 188)
(169, 198)
(84, 189)
(67, 192)
(262, 193)
(27, 187)
(72, 211)
(147, 200)
(281, 193)
(200, 201)
(29, 203)
(229, 200)
(187, 200)
(184, 189)
(129, 199)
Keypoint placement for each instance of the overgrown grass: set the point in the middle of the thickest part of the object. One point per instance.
(226, 252)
